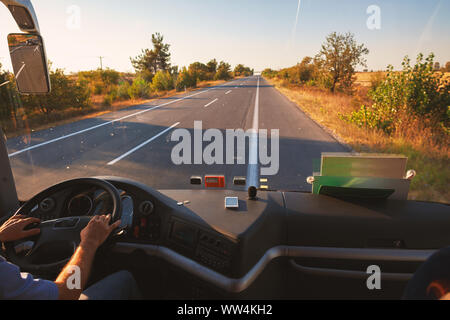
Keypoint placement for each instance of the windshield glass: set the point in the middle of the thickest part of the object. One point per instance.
(160, 91)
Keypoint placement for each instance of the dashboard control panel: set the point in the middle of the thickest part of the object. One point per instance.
(208, 248)
(214, 251)
(146, 223)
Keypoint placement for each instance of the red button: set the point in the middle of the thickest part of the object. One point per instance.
(215, 181)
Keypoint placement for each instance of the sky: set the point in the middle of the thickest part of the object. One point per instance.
(257, 33)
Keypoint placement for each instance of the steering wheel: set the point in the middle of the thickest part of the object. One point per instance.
(59, 235)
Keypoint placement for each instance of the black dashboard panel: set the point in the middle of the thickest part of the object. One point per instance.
(196, 224)
(248, 232)
(231, 248)
(322, 221)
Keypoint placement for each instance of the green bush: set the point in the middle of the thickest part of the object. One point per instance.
(110, 77)
(376, 79)
(99, 81)
(269, 73)
(9, 99)
(122, 90)
(111, 96)
(367, 117)
(108, 100)
(98, 88)
(200, 71)
(417, 90)
(66, 93)
(241, 70)
(139, 89)
(162, 81)
(185, 80)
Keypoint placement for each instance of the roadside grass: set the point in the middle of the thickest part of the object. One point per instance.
(430, 159)
(35, 121)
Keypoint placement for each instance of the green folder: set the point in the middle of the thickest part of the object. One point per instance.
(361, 176)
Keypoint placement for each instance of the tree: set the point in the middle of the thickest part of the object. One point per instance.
(162, 81)
(8, 97)
(200, 71)
(447, 66)
(306, 70)
(66, 93)
(241, 70)
(149, 62)
(269, 73)
(212, 66)
(185, 80)
(339, 57)
(223, 71)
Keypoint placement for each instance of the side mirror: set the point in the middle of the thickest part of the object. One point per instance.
(29, 63)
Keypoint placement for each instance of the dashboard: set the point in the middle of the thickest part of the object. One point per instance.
(193, 230)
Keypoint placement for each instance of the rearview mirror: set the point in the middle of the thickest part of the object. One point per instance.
(29, 63)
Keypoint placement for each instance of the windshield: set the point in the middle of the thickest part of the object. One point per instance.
(255, 91)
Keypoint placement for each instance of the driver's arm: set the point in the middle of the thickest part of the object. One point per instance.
(13, 283)
(92, 237)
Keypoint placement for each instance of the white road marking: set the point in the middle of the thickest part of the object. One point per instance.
(211, 102)
(228, 92)
(253, 166)
(21, 69)
(142, 145)
(107, 123)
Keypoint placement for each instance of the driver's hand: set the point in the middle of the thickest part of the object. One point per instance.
(12, 230)
(97, 230)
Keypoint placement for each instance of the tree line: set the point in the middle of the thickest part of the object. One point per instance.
(420, 91)
(332, 68)
(154, 66)
(75, 94)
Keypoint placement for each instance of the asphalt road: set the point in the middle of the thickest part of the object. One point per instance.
(136, 142)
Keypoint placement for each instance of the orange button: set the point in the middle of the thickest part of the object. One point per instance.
(215, 181)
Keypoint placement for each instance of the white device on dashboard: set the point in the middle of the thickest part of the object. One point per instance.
(231, 202)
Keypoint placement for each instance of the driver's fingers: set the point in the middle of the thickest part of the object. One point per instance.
(18, 216)
(105, 219)
(115, 225)
(28, 221)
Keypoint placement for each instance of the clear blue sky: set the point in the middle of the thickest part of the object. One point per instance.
(258, 33)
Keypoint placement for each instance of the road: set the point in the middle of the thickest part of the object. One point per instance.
(136, 142)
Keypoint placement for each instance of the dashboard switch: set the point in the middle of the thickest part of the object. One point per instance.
(214, 181)
(136, 232)
(146, 208)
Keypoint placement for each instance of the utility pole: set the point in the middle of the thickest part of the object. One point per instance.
(101, 62)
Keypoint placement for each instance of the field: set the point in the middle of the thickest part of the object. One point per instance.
(365, 79)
